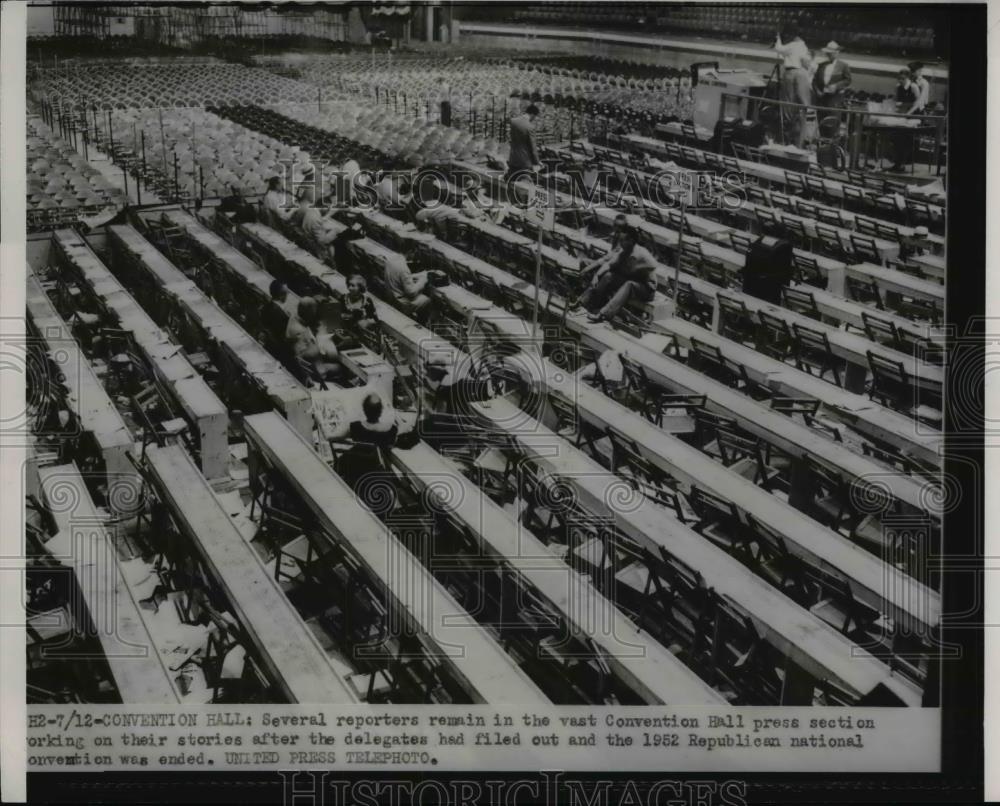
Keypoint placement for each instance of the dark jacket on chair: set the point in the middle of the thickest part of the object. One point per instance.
(832, 91)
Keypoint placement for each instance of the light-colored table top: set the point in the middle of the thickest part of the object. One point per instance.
(85, 393)
(287, 647)
(809, 642)
(489, 673)
(857, 410)
(791, 437)
(891, 591)
(891, 280)
(646, 666)
(129, 648)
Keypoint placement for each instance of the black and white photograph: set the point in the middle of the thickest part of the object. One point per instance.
(589, 391)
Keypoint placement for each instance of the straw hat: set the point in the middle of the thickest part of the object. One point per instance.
(831, 47)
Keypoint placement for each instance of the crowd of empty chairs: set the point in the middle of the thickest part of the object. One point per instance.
(855, 29)
(62, 186)
(148, 86)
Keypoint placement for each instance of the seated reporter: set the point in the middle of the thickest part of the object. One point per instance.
(275, 204)
(619, 278)
(434, 219)
(357, 308)
(371, 436)
(236, 207)
(313, 350)
(406, 288)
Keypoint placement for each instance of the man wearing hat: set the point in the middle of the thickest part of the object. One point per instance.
(832, 77)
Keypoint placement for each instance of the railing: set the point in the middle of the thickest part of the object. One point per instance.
(856, 131)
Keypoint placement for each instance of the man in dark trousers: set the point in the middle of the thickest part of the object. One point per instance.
(832, 77)
(523, 154)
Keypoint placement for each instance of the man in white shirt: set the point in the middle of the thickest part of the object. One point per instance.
(311, 221)
(795, 81)
(923, 88)
(407, 288)
(391, 195)
(275, 203)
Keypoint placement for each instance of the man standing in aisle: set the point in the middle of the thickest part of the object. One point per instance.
(795, 86)
(523, 154)
(832, 77)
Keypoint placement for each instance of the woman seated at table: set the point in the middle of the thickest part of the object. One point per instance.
(371, 437)
(357, 308)
(620, 276)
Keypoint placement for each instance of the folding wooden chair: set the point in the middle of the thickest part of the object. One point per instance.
(854, 199)
(713, 270)
(866, 250)
(881, 331)
(758, 196)
(797, 232)
(570, 425)
(830, 217)
(775, 338)
(740, 243)
(691, 257)
(813, 353)
(807, 209)
(831, 502)
(719, 521)
(921, 310)
(735, 320)
(691, 308)
(890, 383)
(775, 562)
(864, 291)
(807, 271)
(768, 223)
(866, 226)
(796, 184)
(709, 360)
(888, 233)
(782, 202)
(817, 189)
(830, 243)
(744, 455)
(809, 411)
